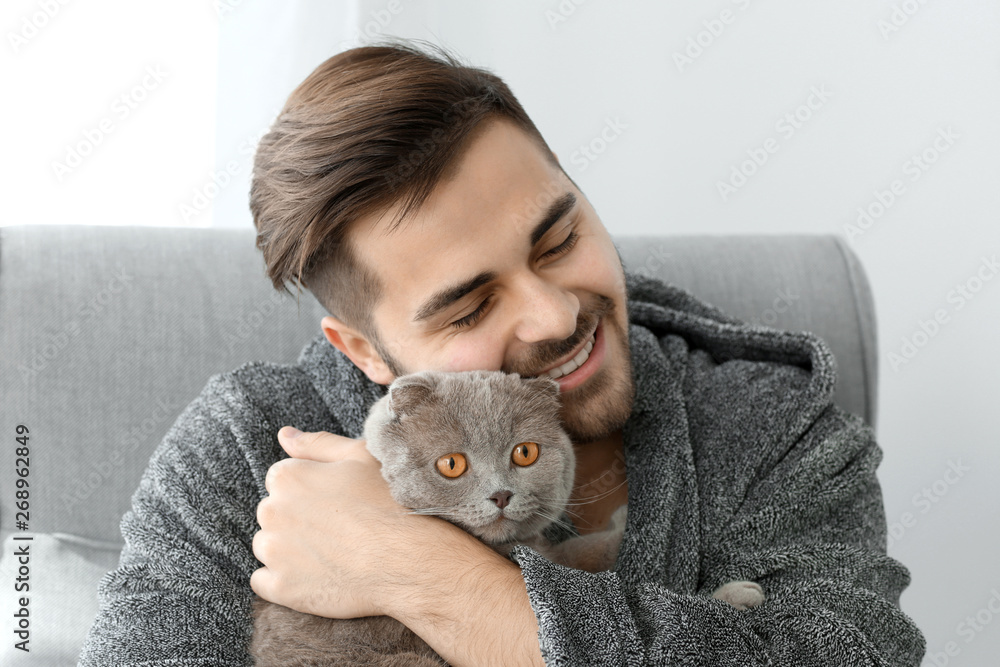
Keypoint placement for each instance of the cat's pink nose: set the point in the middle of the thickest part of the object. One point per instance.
(501, 498)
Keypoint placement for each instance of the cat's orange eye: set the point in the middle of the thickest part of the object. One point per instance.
(451, 465)
(525, 453)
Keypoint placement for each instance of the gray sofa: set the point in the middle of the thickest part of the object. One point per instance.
(107, 333)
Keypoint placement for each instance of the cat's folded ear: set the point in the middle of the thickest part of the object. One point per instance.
(408, 391)
(545, 384)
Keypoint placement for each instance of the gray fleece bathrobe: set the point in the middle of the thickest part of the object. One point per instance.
(739, 466)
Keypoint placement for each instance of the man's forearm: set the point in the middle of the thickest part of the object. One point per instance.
(469, 604)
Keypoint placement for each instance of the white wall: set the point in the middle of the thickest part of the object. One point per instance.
(125, 113)
(265, 50)
(108, 110)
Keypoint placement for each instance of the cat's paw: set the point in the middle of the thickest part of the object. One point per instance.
(740, 594)
(618, 519)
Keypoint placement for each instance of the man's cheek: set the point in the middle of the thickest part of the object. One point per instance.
(599, 270)
(471, 353)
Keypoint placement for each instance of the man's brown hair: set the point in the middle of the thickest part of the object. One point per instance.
(369, 127)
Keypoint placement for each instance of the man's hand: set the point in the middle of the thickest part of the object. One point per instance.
(327, 526)
(335, 543)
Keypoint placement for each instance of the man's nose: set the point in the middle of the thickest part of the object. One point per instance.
(548, 312)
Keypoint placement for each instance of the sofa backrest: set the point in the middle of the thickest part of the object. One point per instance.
(107, 333)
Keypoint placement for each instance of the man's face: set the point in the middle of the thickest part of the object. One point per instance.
(506, 267)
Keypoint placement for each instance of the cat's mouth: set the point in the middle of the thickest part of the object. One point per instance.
(505, 528)
(502, 529)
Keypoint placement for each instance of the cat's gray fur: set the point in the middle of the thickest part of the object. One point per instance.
(483, 415)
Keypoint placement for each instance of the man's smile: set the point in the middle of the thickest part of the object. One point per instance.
(584, 364)
(572, 361)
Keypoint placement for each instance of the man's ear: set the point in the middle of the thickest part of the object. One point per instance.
(356, 348)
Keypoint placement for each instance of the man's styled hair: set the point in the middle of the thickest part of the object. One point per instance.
(369, 127)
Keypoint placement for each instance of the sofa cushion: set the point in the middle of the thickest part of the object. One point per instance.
(63, 574)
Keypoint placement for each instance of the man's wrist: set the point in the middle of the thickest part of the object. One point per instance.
(455, 594)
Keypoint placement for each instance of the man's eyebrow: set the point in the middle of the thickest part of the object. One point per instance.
(557, 210)
(449, 295)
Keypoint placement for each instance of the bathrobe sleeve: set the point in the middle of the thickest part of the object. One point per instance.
(180, 594)
(802, 516)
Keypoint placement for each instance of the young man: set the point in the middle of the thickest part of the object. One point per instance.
(417, 201)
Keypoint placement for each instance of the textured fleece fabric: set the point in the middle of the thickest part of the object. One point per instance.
(739, 466)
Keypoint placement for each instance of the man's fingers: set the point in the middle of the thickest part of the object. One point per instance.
(280, 470)
(266, 513)
(260, 582)
(320, 446)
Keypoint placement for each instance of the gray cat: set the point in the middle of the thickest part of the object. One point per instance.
(486, 451)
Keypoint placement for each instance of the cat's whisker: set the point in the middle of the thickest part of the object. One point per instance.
(594, 482)
(547, 515)
(558, 502)
(595, 498)
(586, 500)
(571, 513)
(561, 503)
(554, 519)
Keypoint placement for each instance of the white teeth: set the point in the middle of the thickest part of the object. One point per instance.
(575, 362)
